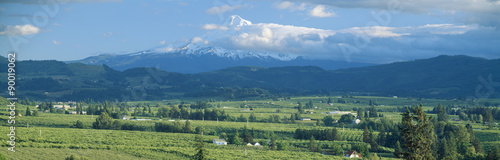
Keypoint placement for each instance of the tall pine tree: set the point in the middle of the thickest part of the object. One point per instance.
(201, 152)
(417, 134)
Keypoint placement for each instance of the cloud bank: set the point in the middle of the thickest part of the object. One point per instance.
(222, 9)
(19, 30)
(483, 12)
(375, 44)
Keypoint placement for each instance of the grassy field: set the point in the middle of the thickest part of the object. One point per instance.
(49, 136)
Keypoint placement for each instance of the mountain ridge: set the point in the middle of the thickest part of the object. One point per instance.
(438, 77)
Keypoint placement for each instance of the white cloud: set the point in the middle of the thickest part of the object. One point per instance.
(375, 31)
(290, 5)
(20, 30)
(447, 28)
(56, 42)
(196, 40)
(214, 27)
(320, 11)
(109, 34)
(361, 44)
(484, 12)
(162, 42)
(270, 37)
(222, 9)
(166, 49)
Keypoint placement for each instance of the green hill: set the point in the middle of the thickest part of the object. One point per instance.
(443, 76)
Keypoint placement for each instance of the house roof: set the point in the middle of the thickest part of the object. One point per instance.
(219, 140)
(349, 153)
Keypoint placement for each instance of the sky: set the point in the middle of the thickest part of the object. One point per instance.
(365, 31)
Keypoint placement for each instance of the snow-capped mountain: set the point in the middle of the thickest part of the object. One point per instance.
(202, 55)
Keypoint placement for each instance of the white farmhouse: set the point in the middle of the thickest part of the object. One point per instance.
(220, 141)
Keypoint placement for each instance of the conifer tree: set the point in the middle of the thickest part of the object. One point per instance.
(398, 151)
(201, 152)
(366, 135)
(312, 144)
(417, 134)
(28, 112)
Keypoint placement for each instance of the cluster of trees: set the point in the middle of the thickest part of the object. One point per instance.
(454, 141)
(46, 107)
(230, 93)
(424, 137)
(344, 119)
(30, 113)
(271, 119)
(26, 101)
(104, 121)
(173, 111)
(319, 134)
(175, 127)
(480, 115)
(237, 138)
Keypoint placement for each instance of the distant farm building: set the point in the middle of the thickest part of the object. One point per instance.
(339, 112)
(352, 154)
(305, 118)
(220, 142)
(126, 117)
(356, 121)
(64, 107)
(83, 112)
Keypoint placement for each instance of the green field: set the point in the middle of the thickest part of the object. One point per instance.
(51, 136)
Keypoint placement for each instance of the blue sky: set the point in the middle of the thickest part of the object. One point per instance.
(360, 30)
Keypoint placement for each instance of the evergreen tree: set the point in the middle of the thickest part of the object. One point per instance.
(252, 117)
(201, 152)
(417, 134)
(381, 136)
(273, 143)
(359, 114)
(103, 122)
(310, 104)
(373, 112)
(236, 138)
(366, 135)
(79, 124)
(373, 143)
(187, 127)
(312, 144)
(442, 116)
(28, 112)
(301, 108)
(329, 100)
(398, 152)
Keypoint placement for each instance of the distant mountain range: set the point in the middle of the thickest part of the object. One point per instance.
(199, 56)
(439, 77)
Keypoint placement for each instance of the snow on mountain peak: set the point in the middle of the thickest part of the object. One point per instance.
(237, 21)
(202, 46)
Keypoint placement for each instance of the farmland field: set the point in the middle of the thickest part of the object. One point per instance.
(53, 136)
